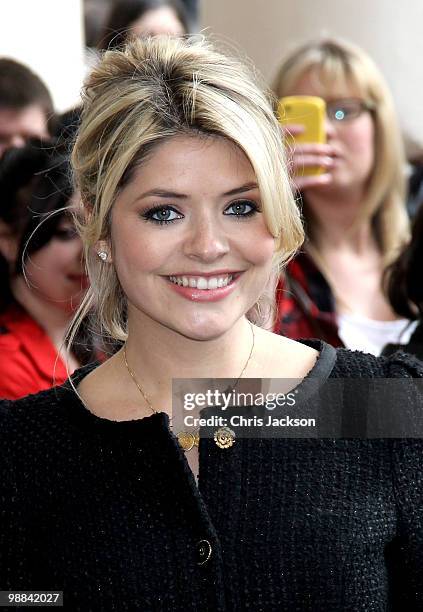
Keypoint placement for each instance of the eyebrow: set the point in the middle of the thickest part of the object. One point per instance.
(164, 193)
(242, 189)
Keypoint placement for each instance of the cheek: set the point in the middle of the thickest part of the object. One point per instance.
(62, 257)
(54, 259)
(41, 263)
(141, 252)
(261, 248)
(361, 137)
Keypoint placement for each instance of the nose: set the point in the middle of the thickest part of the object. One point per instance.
(329, 129)
(207, 241)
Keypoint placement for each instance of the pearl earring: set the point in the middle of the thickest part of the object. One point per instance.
(102, 255)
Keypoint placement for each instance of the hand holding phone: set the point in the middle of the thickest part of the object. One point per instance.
(303, 120)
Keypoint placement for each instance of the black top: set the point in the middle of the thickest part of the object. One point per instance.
(414, 346)
(110, 513)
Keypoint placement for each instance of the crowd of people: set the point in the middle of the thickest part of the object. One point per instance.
(166, 230)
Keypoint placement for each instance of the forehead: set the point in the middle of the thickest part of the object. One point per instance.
(194, 163)
(328, 83)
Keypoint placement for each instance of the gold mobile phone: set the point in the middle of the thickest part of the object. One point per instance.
(310, 112)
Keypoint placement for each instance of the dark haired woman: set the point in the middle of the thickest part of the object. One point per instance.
(405, 288)
(143, 18)
(41, 271)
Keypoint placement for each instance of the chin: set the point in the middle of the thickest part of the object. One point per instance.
(203, 331)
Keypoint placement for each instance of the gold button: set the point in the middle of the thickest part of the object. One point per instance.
(224, 437)
(204, 551)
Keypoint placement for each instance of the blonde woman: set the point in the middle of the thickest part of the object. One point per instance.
(188, 212)
(354, 212)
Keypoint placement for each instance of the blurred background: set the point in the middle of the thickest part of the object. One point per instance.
(51, 36)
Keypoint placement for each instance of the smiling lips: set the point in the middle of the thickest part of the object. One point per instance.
(204, 288)
(202, 282)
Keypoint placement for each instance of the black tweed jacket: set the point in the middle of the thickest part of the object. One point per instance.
(110, 513)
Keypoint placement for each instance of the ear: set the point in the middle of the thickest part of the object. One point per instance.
(102, 248)
(8, 243)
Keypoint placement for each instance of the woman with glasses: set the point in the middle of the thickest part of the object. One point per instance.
(354, 210)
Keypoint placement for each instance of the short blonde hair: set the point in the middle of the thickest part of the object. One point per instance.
(139, 97)
(340, 69)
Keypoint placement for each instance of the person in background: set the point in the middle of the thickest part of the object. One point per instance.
(404, 287)
(192, 7)
(41, 271)
(142, 18)
(67, 124)
(415, 185)
(96, 13)
(355, 215)
(26, 107)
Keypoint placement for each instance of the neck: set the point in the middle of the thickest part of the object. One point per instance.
(332, 220)
(53, 320)
(158, 354)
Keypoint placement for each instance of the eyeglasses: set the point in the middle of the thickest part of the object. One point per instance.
(347, 109)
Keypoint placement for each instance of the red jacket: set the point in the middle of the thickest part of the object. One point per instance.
(28, 359)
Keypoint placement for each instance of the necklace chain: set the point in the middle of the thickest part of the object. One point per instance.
(249, 357)
(144, 394)
(140, 389)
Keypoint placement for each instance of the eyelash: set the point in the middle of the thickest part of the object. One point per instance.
(148, 214)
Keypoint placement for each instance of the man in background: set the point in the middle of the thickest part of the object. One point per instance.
(26, 107)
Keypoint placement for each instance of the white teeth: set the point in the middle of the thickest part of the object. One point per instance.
(202, 283)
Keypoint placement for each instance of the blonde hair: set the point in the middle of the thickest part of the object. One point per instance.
(339, 69)
(139, 97)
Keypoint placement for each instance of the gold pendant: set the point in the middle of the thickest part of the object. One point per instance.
(188, 440)
(224, 437)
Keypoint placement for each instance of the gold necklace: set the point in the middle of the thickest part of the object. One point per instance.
(186, 439)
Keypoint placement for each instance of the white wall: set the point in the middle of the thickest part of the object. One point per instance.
(47, 36)
(391, 31)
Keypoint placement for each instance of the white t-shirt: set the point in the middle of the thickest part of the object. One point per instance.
(362, 334)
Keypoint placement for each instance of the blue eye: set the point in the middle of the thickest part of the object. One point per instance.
(242, 208)
(346, 110)
(162, 215)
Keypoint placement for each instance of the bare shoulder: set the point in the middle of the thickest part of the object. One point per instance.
(282, 357)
